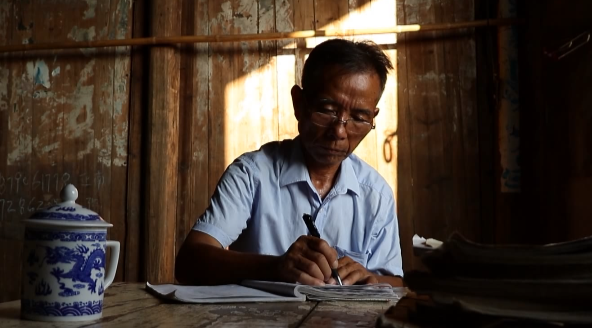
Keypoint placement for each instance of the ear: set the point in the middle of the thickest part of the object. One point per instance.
(297, 98)
(376, 110)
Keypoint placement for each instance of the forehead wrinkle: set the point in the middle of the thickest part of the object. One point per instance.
(328, 100)
(350, 91)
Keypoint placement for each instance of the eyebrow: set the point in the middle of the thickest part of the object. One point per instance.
(333, 102)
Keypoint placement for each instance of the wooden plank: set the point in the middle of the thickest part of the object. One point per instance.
(485, 112)
(555, 128)
(359, 15)
(62, 112)
(242, 94)
(200, 175)
(443, 124)
(100, 140)
(15, 153)
(568, 168)
(29, 82)
(7, 264)
(578, 100)
(439, 183)
(133, 258)
(86, 121)
(163, 143)
(579, 208)
(346, 314)
(468, 170)
(459, 66)
(432, 126)
(247, 84)
(382, 13)
(421, 127)
(10, 269)
(120, 70)
(186, 121)
(405, 161)
(220, 74)
(304, 19)
(266, 74)
(194, 178)
(516, 213)
(286, 69)
(330, 14)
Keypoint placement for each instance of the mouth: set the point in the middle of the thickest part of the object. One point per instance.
(333, 151)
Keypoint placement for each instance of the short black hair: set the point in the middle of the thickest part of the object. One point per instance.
(348, 56)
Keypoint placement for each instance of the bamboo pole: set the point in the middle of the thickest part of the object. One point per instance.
(172, 40)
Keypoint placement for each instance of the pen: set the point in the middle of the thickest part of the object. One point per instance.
(312, 229)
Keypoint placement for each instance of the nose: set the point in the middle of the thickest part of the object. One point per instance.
(337, 129)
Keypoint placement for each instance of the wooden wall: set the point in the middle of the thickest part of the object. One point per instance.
(556, 121)
(440, 177)
(101, 118)
(63, 118)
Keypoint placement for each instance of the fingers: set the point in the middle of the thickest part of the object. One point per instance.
(313, 264)
(304, 278)
(293, 267)
(352, 272)
(323, 255)
(368, 280)
(307, 261)
(321, 246)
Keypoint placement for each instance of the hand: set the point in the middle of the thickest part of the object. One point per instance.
(352, 272)
(308, 261)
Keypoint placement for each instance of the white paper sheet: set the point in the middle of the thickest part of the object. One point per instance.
(218, 294)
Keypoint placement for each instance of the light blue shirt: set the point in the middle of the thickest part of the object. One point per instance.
(259, 201)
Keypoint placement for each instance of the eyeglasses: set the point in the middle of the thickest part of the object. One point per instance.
(353, 125)
(325, 117)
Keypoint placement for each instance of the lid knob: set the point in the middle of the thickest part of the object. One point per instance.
(69, 193)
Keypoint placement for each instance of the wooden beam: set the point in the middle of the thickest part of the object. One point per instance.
(163, 144)
(173, 40)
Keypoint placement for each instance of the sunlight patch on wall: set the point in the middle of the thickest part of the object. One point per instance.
(250, 102)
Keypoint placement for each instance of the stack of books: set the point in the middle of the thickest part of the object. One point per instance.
(545, 283)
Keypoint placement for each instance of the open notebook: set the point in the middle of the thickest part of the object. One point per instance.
(267, 291)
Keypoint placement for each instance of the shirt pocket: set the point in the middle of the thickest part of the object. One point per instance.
(356, 256)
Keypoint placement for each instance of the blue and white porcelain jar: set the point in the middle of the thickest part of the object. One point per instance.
(63, 274)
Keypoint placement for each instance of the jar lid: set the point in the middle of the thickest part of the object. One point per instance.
(67, 213)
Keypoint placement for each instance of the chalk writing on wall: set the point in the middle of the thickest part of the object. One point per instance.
(22, 194)
(48, 182)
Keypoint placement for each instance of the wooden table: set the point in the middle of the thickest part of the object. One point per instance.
(129, 305)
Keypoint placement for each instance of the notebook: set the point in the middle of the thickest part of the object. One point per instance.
(268, 291)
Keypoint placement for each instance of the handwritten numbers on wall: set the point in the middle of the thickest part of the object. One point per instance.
(22, 194)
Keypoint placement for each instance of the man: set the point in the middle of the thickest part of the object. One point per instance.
(257, 208)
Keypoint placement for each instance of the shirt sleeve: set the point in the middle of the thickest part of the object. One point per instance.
(231, 204)
(385, 255)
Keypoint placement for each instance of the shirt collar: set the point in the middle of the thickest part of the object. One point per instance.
(296, 171)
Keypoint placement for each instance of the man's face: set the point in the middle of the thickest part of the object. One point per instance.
(349, 96)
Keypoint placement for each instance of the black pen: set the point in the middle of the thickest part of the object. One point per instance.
(313, 231)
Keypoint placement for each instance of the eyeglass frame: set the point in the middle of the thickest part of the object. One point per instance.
(336, 118)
